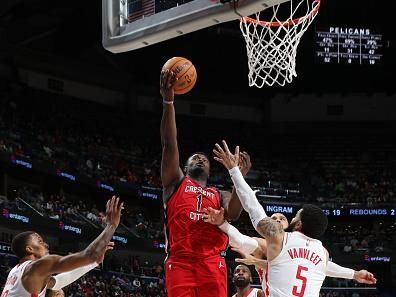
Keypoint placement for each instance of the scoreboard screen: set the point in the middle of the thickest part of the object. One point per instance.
(343, 45)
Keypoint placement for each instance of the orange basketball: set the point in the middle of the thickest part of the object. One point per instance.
(185, 73)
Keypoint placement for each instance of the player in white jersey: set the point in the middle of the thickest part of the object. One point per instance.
(36, 270)
(241, 279)
(297, 261)
(254, 250)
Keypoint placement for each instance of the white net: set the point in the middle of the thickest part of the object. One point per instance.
(272, 45)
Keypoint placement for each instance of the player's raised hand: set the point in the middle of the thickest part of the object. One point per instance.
(113, 211)
(167, 82)
(244, 163)
(213, 216)
(364, 277)
(225, 157)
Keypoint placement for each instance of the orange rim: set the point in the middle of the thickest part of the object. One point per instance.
(291, 22)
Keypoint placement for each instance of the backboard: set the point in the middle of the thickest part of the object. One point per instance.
(133, 24)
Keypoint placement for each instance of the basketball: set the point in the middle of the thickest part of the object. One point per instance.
(186, 74)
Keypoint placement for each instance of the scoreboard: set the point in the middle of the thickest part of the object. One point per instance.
(343, 45)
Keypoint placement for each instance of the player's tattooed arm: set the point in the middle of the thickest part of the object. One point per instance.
(269, 228)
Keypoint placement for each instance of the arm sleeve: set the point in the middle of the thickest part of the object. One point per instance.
(239, 240)
(66, 278)
(247, 197)
(334, 270)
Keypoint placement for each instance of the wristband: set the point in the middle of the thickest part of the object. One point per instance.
(167, 102)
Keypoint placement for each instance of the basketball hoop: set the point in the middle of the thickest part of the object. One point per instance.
(272, 45)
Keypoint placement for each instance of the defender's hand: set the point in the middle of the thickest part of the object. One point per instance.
(167, 82)
(364, 277)
(225, 157)
(214, 216)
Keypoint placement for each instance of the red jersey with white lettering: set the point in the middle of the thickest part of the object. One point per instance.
(299, 269)
(14, 286)
(188, 236)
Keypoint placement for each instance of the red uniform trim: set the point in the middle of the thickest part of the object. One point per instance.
(266, 281)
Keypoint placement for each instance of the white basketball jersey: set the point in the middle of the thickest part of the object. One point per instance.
(251, 293)
(300, 268)
(14, 287)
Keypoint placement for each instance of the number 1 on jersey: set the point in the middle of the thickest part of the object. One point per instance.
(299, 276)
(199, 202)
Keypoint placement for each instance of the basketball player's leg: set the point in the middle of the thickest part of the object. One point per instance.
(212, 277)
(180, 279)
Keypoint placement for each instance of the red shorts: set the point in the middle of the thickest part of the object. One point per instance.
(201, 278)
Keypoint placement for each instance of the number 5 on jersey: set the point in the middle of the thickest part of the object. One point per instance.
(300, 276)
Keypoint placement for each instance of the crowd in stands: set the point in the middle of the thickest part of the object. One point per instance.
(378, 237)
(81, 143)
(58, 207)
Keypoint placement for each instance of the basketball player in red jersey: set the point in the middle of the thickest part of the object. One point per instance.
(195, 265)
(35, 272)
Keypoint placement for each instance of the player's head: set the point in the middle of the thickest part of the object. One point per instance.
(310, 220)
(54, 293)
(242, 276)
(29, 244)
(198, 166)
(281, 219)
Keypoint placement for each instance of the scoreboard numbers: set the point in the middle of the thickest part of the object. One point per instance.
(342, 45)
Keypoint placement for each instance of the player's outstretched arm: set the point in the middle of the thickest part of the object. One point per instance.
(64, 279)
(361, 276)
(237, 239)
(38, 273)
(170, 167)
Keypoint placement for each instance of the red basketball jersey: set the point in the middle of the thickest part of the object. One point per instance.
(188, 236)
